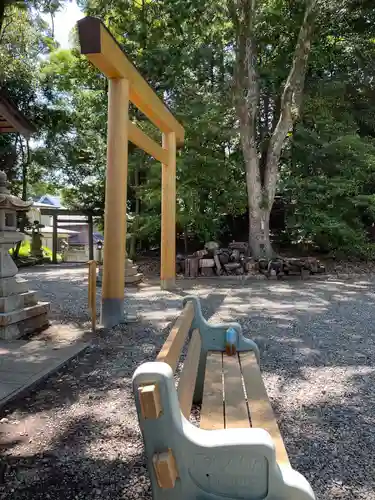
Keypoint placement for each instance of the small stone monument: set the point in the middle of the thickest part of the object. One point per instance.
(132, 276)
(36, 241)
(20, 312)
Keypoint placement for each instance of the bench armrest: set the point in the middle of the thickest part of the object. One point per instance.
(213, 336)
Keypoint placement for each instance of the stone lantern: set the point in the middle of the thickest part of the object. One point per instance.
(20, 313)
(9, 236)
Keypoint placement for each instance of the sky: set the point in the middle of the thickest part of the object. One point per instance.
(65, 21)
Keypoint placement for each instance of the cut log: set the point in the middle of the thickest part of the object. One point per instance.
(194, 268)
(252, 266)
(218, 265)
(206, 263)
(235, 256)
(239, 245)
(200, 253)
(224, 258)
(263, 264)
(191, 267)
(231, 266)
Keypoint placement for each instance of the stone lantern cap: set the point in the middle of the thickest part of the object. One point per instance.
(9, 201)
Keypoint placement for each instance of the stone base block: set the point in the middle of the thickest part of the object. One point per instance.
(131, 271)
(12, 286)
(24, 327)
(168, 284)
(16, 302)
(12, 317)
(132, 276)
(132, 280)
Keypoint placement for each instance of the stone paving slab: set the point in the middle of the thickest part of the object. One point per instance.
(24, 364)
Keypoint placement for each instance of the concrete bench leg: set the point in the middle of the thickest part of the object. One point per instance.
(213, 339)
(187, 463)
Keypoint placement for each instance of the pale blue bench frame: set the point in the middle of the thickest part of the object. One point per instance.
(213, 339)
(229, 464)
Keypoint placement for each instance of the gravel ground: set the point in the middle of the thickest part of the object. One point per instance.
(77, 436)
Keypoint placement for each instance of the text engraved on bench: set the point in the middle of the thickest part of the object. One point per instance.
(235, 477)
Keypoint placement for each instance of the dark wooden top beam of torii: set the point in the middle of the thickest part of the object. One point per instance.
(105, 53)
(12, 120)
(69, 212)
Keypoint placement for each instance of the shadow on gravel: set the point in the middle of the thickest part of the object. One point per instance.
(332, 444)
(318, 358)
(107, 364)
(317, 352)
(66, 471)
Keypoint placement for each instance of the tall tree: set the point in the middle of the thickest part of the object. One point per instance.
(262, 169)
(24, 38)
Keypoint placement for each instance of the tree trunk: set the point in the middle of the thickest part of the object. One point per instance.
(262, 165)
(52, 24)
(186, 241)
(259, 233)
(2, 12)
(25, 167)
(25, 164)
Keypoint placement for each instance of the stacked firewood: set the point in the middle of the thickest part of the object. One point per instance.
(286, 266)
(235, 261)
(213, 260)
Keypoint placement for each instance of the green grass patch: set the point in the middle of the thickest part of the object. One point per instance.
(25, 251)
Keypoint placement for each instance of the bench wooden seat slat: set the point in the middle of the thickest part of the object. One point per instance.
(170, 352)
(212, 412)
(235, 405)
(261, 412)
(189, 374)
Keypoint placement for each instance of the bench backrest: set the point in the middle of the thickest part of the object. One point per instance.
(171, 351)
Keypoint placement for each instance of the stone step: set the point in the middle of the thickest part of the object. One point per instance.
(133, 279)
(11, 317)
(24, 327)
(12, 286)
(19, 301)
(131, 271)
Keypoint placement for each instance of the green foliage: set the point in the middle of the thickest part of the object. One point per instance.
(328, 175)
(185, 50)
(183, 61)
(25, 251)
(24, 39)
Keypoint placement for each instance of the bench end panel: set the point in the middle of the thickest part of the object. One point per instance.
(187, 463)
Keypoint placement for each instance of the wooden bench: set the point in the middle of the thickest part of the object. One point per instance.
(238, 451)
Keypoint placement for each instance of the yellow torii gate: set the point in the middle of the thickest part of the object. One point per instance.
(126, 84)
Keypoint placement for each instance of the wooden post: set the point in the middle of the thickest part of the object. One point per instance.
(91, 237)
(168, 215)
(92, 293)
(115, 203)
(54, 239)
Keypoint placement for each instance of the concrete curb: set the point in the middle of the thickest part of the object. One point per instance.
(39, 377)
